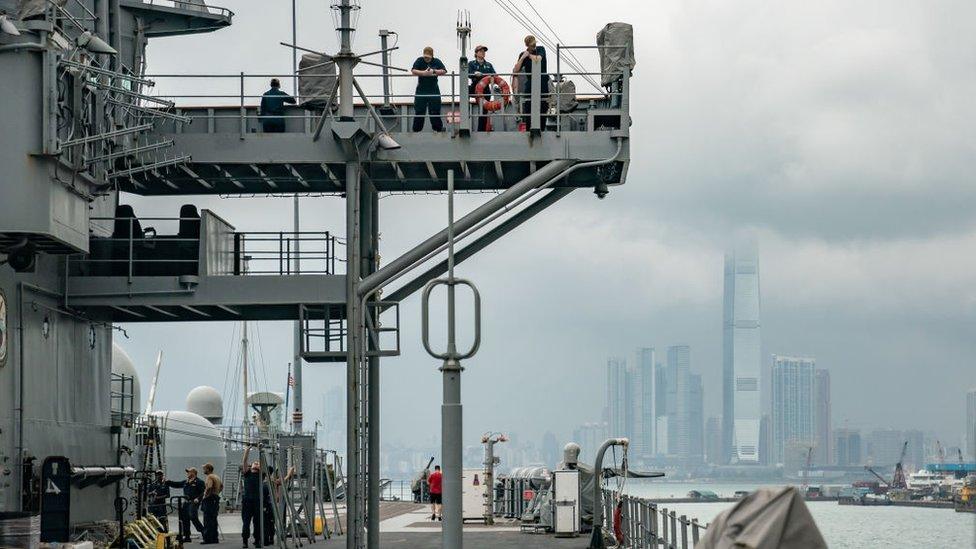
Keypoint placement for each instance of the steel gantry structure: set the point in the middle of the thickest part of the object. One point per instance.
(342, 142)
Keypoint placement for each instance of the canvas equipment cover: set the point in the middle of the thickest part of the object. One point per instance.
(316, 80)
(766, 519)
(616, 42)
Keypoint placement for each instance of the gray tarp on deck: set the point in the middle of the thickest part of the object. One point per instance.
(316, 80)
(616, 41)
(766, 519)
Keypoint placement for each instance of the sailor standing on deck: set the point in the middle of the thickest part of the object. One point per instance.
(523, 77)
(273, 108)
(213, 486)
(428, 95)
(193, 489)
(251, 499)
(157, 495)
(478, 68)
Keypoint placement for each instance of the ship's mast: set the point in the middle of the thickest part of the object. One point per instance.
(244, 373)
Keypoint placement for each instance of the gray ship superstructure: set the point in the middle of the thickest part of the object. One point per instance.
(81, 127)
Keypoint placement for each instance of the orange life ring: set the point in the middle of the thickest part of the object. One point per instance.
(479, 91)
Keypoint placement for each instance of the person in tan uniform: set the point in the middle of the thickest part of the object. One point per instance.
(213, 486)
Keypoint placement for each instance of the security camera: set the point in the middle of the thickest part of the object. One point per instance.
(22, 257)
(601, 190)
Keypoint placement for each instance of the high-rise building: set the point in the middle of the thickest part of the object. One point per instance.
(713, 441)
(619, 398)
(742, 360)
(823, 452)
(679, 408)
(848, 450)
(766, 440)
(646, 420)
(793, 414)
(696, 420)
(884, 446)
(334, 419)
(971, 423)
(678, 369)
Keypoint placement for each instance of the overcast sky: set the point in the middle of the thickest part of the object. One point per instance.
(839, 133)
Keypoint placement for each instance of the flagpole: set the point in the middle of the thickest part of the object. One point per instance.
(288, 388)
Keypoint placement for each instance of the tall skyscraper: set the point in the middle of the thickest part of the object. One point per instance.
(823, 453)
(696, 420)
(971, 423)
(793, 410)
(742, 360)
(848, 450)
(645, 422)
(679, 365)
(619, 398)
(713, 441)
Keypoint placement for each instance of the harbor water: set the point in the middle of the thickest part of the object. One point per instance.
(842, 526)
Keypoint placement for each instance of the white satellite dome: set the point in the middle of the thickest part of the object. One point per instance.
(189, 440)
(207, 402)
(123, 365)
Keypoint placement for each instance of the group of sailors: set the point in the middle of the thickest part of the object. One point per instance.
(427, 96)
(259, 491)
(198, 495)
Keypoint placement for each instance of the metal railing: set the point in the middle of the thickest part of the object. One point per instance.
(521, 109)
(285, 253)
(395, 490)
(191, 5)
(203, 246)
(644, 524)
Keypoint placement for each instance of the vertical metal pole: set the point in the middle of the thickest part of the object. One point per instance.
(243, 110)
(356, 485)
(451, 433)
(294, 52)
(354, 510)
(369, 201)
(559, 94)
(535, 99)
(297, 417)
(384, 34)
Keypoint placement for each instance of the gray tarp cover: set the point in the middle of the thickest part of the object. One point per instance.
(566, 91)
(316, 80)
(766, 519)
(613, 60)
(32, 8)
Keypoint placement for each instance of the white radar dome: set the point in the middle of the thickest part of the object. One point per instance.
(207, 402)
(189, 440)
(122, 365)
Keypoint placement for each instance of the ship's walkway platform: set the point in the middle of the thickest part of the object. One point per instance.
(408, 526)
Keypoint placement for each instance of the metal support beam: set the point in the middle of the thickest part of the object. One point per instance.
(398, 265)
(369, 236)
(481, 243)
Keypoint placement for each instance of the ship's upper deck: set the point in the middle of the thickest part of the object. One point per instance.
(218, 133)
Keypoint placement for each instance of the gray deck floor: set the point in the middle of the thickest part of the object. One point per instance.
(407, 526)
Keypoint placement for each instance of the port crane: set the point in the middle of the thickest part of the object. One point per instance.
(899, 479)
(940, 452)
(806, 471)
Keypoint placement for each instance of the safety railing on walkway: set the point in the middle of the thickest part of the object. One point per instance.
(202, 246)
(644, 524)
(191, 5)
(506, 102)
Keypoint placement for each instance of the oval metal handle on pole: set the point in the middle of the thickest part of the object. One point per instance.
(425, 321)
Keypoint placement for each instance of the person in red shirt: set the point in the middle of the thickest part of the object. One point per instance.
(436, 500)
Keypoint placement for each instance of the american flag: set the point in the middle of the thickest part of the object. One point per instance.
(291, 380)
